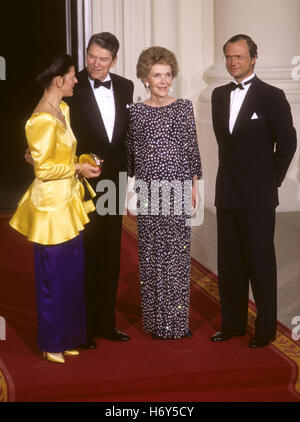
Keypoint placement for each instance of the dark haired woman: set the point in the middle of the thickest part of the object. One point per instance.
(163, 150)
(52, 214)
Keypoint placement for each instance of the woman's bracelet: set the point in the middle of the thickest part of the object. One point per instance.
(78, 171)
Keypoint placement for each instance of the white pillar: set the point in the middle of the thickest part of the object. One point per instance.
(194, 45)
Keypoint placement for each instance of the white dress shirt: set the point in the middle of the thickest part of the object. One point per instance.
(237, 97)
(106, 103)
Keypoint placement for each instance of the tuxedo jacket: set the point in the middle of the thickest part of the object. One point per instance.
(89, 129)
(254, 159)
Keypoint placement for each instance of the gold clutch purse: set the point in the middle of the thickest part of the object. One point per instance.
(91, 159)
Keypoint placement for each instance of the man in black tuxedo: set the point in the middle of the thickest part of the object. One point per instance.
(99, 119)
(254, 129)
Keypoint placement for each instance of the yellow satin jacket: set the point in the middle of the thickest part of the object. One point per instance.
(52, 210)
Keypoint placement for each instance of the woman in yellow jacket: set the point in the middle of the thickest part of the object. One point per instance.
(52, 214)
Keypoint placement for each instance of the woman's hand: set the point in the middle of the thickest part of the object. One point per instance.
(194, 194)
(28, 157)
(87, 170)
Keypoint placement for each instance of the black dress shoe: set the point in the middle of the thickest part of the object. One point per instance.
(89, 344)
(260, 341)
(223, 336)
(115, 335)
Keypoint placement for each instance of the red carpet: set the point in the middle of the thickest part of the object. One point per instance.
(143, 369)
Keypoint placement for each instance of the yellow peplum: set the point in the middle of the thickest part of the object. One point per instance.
(52, 210)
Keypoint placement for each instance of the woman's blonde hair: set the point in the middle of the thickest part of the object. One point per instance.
(155, 55)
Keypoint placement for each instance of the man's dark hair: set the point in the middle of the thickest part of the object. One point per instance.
(252, 47)
(52, 65)
(105, 40)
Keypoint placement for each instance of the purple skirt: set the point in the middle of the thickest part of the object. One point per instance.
(59, 273)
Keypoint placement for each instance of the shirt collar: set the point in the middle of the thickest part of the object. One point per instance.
(108, 78)
(245, 80)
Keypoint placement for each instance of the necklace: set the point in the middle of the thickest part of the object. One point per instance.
(57, 110)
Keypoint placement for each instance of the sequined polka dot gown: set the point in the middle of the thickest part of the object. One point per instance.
(162, 151)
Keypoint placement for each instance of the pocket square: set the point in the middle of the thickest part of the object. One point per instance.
(254, 116)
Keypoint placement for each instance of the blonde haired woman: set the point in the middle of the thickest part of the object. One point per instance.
(163, 149)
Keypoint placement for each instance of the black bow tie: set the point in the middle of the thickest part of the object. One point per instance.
(234, 86)
(98, 83)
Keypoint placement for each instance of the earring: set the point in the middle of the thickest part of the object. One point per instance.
(171, 89)
(147, 86)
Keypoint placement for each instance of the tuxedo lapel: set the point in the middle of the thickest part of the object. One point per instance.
(92, 111)
(247, 109)
(224, 110)
(120, 116)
